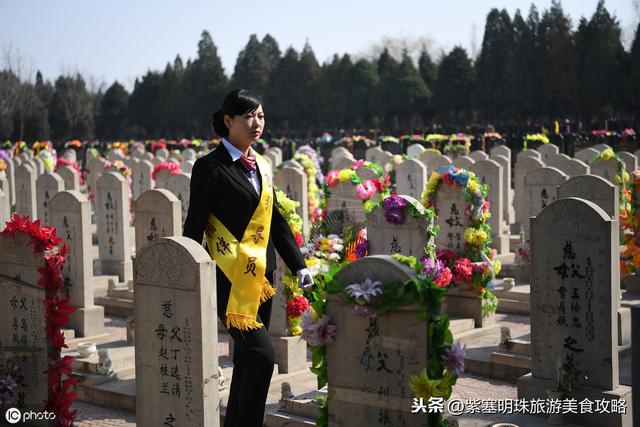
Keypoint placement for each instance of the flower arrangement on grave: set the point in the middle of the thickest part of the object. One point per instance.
(171, 167)
(364, 189)
(476, 267)
(630, 257)
(38, 146)
(603, 132)
(10, 376)
(125, 170)
(49, 159)
(117, 145)
(62, 162)
(359, 139)
(157, 145)
(3, 165)
(309, 160)
(389, 167)
(621, 179)
(412, 138)
(19, 147)
(371, 298)
(459, 143)
(535, 137)
(137, 146)
(628, 132)
(57, 310)
(74, 143)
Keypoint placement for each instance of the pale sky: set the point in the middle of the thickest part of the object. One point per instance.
(122, 39)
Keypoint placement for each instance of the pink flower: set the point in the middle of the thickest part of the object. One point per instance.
(366, 190)
(317, 333)
(357, 164)
(463, 270)
(332, 178)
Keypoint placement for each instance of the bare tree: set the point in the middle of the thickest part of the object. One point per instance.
(17, 94)
(397, 46)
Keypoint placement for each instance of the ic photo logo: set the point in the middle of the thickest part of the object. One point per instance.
(13, 415)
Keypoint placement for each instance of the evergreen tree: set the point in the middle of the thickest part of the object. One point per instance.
(252, 68)
(427, 67)
(365, 80)
(414, 93)
(526, 70)
(455, 84)
(281, 93)
(391, 103)
(633, 97)
(70, 111)
(113, 109)
(143, 114)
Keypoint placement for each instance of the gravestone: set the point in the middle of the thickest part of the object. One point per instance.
(47, 185)
(478, 155)
(180, 185)
(5, 207)
(490, 172)
(293, 182)
(96, 169)
(70, 154)
(594, 189)
(523, 167)
(70, 177)
(374, 154)
(162, 177)
(368, 371)
(608, 169)
(540, 190)
(500, 150)
(114, 233)
(142, 176)
(409, 239)
(574, 291)
(278, 153)
(343, 163)
(438, 162)
(602, 147)
(22, 333)
(528, 154)
(411, 178)
(162, 154)
(187, 166)
(115, 154)
(547, 151)
(39, 165)
(586, 154)
(189, 154)
(463, 162)
(10, 172)
(508, 212)
(415, 150)
(26, 191)
(555, 160)
(158, 213)
(343, 199)
(426, 156)
(574, 167)
(450, 206)
(71, 216)
(339, 152)
(133, 162)
(176, 335)
(630, 160)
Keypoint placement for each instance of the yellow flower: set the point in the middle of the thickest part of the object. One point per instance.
(497, 266)
(607, 154)
(314, 314)
(296, 330)
(48, 163)
(470, 235)
(472, 185)
(480, 237)
(345, 175)
(423, 386)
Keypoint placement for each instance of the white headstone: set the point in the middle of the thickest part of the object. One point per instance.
(176, 334)
(47, 185)
(523, 167)
(414, 151)
(411, 178)
(158, 213)
(500, 150)
(608, 169)
(547, 150)
(574, 167)
(528, 153)
(478, 155)
(114, 232)
(26, 191)
(293, 182)
(586, 154)
(490, 172)
(10, 172)
(70, 177)
(540, 190)
(556, 159)
(180, 185)
(463, 162)
(508, 212)
(5, 207)
(630, 160)
(594, 189)
(71, 216)
(438, 162)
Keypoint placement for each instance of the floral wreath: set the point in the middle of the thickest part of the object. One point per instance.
(157, 145)
(621, 179)
(350, 140)
(310, 162)
(459, 143)
(19, 147)
(535, 137)
(123, 146)
(62, 162)
(57, 310)
(630, 257)
(477, 267)
(38, 146)
(365, 189)
(392, 139)
(171, 167)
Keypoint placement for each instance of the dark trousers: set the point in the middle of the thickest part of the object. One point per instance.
(253, 360)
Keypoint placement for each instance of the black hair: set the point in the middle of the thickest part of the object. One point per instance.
(237, 102)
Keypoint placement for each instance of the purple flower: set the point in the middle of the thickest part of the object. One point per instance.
(362, 249)
(394, 209)
(317, 333)
(432, 267)
(454, 359)
(364, 311)
(364, 292)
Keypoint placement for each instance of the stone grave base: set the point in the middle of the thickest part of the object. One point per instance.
(122, 269)
(101, 284)
(500, 243)
(119, 299)
(514, 300)
(290, 353)
(520, 272)
(631, 283)
(535, 388)
(465, 303)
(87, 321)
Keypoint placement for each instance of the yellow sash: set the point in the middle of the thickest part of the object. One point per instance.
(245, 262)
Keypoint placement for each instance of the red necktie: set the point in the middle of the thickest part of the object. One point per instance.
(249, 162)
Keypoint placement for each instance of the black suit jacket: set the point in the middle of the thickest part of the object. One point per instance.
(219, 185)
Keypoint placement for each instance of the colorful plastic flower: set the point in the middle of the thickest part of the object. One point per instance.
(319, 332)
(365, 291)
(454, 358)
(394, 207)
(297, 305)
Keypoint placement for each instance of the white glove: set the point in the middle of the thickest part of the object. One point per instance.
(305, 281)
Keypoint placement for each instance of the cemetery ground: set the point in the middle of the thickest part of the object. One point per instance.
(161, 356)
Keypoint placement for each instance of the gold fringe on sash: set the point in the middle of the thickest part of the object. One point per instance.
(267, 292)
(242, 322)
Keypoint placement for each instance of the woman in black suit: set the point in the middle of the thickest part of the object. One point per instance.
(227, 187)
